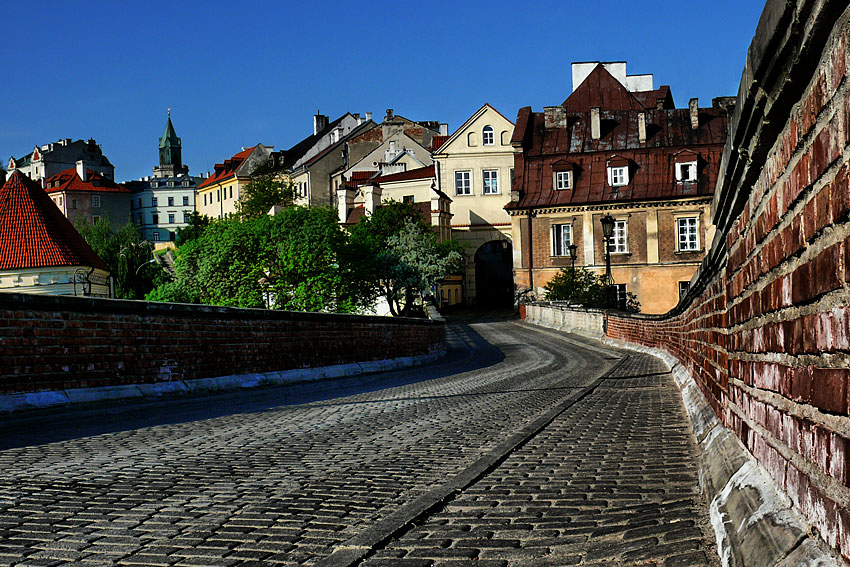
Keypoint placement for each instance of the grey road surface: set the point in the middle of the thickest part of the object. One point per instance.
(522, 447)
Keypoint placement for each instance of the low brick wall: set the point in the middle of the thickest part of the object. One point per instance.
(60, 343)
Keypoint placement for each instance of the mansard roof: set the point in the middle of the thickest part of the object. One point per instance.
(33, 231)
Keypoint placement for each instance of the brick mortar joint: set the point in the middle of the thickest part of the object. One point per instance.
(825, 303)
(824, 483)
(837, 360)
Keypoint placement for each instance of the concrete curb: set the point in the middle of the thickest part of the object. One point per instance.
(754, 522)
(10, 403)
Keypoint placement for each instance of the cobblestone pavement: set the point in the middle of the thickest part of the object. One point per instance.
(285, 476)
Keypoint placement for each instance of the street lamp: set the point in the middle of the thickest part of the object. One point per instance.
(607, 233)
(573, 249)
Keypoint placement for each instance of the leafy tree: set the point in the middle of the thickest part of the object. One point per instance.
(586, 288)
(263, 192)
(193, 229)
(126, 254)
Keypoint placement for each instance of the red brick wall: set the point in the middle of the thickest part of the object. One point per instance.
(49, 342)
(766, 334)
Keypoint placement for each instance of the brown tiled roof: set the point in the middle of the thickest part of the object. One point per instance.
(33, 231)
(437, 142)
(358, 178)
(601, 89)
(228, 168)
(68, 180)
(418, 173)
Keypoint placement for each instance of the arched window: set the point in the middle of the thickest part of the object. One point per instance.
(487, 136)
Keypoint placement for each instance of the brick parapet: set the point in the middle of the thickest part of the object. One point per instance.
(60, 343)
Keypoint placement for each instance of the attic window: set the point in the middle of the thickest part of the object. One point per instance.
(487, 136)
(618, 176)
(563, 180)
(686, 172)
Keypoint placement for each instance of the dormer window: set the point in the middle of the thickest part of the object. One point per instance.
(563, 180)
(154, 184)
(686, 172)
(618, 176)
(487, 136)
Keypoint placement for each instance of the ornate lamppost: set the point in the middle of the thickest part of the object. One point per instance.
(573, 249)
(607, 233)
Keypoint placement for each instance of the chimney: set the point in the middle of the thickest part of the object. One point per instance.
(81, 170)
(595, 123)
(368, 116)
(693, 106)
(642, 127)
(320, 122)
(389, 115)
(444, 129)
(372, 197)
(344, 200)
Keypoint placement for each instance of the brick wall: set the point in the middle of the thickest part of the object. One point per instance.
(765, 331)
(52, 342)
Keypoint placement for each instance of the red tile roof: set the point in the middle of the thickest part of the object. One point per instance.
(439, 141)
(358, 178)
(228, 168)
(33, 231)
(68, 180)
(418, 173)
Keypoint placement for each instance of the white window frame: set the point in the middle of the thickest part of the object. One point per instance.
(488, 136)
(619, 241)
(155, 235)
(618, 176)
(95, 201)
(562, 237)
(490, 181)
(153, 201)
(563, 180)
(171, 201)
(463, 182)
(686, 172)
(687, 234)
(185, 200)
(171, 217)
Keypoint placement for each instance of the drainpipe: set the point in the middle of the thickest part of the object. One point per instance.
(530, 251)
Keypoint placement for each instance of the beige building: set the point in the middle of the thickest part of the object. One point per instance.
(475, 167)
(219, 193)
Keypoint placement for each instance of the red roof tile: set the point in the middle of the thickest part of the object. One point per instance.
(418, 173)
(228, 168)
(439, 141)
(358, 178)
(68, 180)
(33, 231)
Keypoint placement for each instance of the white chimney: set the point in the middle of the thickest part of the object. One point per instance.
(693, 106)
(642, 127)
(368, 116)
(595, 123)
(81, 170)
(372, 197)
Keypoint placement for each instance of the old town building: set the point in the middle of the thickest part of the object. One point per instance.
(616, 146)
(218, 195)
(83, 194)
(49, 159)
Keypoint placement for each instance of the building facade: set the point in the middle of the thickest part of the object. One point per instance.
(163, 203)
(218, 195)
(48, 160)
(475, 167)
(83, 194)
(616, 146)
(40, 251)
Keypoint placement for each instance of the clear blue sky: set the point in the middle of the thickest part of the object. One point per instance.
(237, 74)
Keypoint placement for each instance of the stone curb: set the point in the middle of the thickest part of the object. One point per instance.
(10, 403)
(755, 524)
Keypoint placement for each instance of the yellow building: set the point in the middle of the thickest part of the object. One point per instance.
(219, 193)
(475, 167)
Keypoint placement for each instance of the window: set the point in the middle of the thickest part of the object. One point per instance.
(562, 237)
(205, 199)
(407, 199)
(94, 219)
(563, 180)
(619, 241)
(463, 185)
(73, 203)
(60, 201)
(622, 296)
(231, 191)
(686, 228)
(185, 200)
(686, 172)
(186, 216)
(141, 220)
(683, 289)
(171, 201)
(618, 176)
(154, 184)
(218, 195)
(170, 218)
(487, 136)
(140, 202)
(185, 183)
(169, 184)
(491, 181)
(156, 236)
(155, 218)
(95, 200)
(172, 236)
(153, 201)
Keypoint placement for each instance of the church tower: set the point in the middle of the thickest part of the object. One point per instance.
(170, 153)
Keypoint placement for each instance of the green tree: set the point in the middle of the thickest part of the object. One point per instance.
(128, 257)
(194, 228)
(586, 288)
(264, 192)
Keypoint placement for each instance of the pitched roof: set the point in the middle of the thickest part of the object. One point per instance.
(465, 125)
(418, 173)
(68, 180)
(169, 137)
(298, 151)
(33, 231)
(438, 141)
(601, 89)
(358, 178)
(227, 169)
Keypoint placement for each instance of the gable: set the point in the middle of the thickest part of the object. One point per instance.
(472, 131)
(601, 89)
(377, 156)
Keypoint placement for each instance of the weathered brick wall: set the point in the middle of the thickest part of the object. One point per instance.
(51, 342)
(766, 333)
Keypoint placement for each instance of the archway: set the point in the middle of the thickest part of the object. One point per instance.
(494, 277)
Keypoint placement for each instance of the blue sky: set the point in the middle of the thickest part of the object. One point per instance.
(237, 74)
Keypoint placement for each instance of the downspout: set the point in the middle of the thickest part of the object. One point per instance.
(530, 251)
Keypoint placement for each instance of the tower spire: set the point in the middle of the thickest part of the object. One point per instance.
(170, 152)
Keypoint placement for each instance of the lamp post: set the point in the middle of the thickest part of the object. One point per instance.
(607, 232)
(573, 249)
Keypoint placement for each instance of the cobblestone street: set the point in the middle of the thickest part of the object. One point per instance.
(522, 447)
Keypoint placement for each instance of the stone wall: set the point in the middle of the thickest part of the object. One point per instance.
(59, 343)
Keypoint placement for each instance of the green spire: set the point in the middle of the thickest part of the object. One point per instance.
(169, 138)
